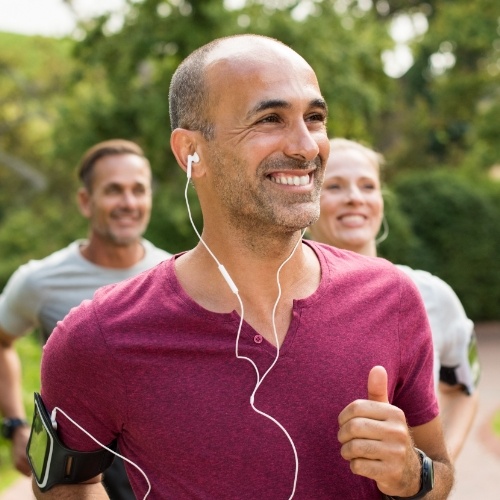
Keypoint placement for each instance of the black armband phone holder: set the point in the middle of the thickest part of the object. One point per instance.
(52, 463)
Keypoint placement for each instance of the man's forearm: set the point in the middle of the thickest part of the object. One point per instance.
(11, 402)
(86, 491)
(443, 481)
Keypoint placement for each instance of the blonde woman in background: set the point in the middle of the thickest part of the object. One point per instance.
(352, 213)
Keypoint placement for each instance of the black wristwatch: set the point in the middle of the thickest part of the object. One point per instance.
(9, 425)
(426, 477)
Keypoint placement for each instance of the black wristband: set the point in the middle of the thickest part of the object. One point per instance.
(9, 425)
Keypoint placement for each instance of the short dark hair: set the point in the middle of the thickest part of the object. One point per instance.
(189, 94)
(106, 148)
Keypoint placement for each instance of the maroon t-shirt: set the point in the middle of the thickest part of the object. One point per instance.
(143, 362)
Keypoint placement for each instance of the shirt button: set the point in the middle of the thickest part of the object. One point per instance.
(257, 339)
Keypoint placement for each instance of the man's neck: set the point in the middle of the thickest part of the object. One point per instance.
(111, 255)
(255, 276)
(250, 258)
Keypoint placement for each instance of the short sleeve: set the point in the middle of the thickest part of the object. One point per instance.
(415, 393)
(79, 377)
(19, 303)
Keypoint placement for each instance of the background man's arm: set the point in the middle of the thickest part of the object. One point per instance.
(11, 402)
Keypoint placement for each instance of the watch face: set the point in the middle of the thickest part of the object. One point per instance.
(427, 474)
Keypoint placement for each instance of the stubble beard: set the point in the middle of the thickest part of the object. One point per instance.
(116, 239)
(258, 208)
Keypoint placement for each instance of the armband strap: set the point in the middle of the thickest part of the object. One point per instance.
(53, 463)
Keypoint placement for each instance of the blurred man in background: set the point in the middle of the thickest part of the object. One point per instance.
(116, 198)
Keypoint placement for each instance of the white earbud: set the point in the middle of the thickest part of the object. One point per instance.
(53, 419)
(194, 158)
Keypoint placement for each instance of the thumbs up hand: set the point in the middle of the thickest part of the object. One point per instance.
(376, 440)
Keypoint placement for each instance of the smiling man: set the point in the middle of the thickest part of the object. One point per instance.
(255, 365)
(116, 199)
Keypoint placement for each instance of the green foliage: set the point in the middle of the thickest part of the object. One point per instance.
(58, 97)
(448, 116)
(170, 227)
(34, 73)
(457, 227)
(401, 244)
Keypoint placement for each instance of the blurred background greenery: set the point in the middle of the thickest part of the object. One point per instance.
(417, 80)
(435, 116)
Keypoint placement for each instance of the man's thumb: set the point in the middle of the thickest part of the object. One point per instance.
(377, 385)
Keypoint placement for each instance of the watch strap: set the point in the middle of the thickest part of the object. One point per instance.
(9, 425)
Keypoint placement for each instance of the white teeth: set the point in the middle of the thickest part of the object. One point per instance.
(294, 180)
(353, 219)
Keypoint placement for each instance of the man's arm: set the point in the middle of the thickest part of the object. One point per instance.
(379, 445)
(11, 402)
(430, 439)
(458, 410)
(90, 490)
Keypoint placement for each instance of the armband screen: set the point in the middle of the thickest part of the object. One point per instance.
(52, 463)
(40, 449)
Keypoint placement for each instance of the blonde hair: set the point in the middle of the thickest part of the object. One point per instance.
(376, 159)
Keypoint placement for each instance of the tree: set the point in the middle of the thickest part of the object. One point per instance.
(34, 74)
(444, 112)
(448, 101)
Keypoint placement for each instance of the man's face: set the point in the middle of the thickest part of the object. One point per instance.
(119, 205)
(266, 161)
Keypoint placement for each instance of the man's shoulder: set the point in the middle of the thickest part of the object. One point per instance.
(348, 260)
(24, 294)
(35, 271)
(133, 302)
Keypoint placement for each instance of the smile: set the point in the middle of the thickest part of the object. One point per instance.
(352, 220)
(291, 180)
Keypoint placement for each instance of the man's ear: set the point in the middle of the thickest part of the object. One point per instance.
(186, 143)
(83, 199)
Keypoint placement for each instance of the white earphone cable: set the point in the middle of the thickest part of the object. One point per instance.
(53, 417)
(260, 379)
(233, 287)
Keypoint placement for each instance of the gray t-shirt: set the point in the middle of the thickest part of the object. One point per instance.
(41, 292)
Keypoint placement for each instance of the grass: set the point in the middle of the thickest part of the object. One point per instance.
(29, 351)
